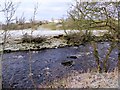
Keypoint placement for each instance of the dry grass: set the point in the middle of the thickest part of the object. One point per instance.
(29, 39)
(86, 80)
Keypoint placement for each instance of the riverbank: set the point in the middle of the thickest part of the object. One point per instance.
(14, 41)
(85, 80)
(51, 39)
(47, 44)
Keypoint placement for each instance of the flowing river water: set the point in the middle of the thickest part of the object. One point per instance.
(46, 64)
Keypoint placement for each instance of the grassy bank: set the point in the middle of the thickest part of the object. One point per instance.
(85, 80)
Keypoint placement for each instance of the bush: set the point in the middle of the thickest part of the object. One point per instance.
(78, 38)
(29, 39)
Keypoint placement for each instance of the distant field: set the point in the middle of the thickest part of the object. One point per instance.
(67, 26)
(51, 26)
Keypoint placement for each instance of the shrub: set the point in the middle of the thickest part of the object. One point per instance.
(78, 38)
(29, 39)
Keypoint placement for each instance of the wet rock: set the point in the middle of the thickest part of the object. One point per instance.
(43, 48)
(59, 36)
(67, 63)
(83, 44)
(38, 47)
(72, 56)
(61, 45)
(15, 49)
(7, 51)
(55, 47)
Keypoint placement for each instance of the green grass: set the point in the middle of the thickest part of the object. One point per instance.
(51, 26)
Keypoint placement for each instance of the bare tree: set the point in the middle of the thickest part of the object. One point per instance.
(95, 15)
(30, 53)
(8, 9)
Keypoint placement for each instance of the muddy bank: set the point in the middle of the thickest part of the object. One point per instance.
(46, 64)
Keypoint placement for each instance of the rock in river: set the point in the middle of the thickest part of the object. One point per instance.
(72, 56)
(68, 63)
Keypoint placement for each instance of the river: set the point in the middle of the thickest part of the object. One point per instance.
(46, 64)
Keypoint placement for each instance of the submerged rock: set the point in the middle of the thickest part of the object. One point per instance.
(72, 56)
(68, 63)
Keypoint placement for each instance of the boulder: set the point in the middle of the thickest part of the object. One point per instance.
(68, 63)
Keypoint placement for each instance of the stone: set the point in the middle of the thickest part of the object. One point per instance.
(72, 56)
(58, 36)
(7, 50)
(68, 63)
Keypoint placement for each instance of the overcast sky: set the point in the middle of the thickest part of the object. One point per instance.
(47, 9)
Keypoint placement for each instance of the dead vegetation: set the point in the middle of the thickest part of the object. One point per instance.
(85, 80)
(78, 38)
(29, 39)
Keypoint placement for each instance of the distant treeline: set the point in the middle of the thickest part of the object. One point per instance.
(18, 26)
